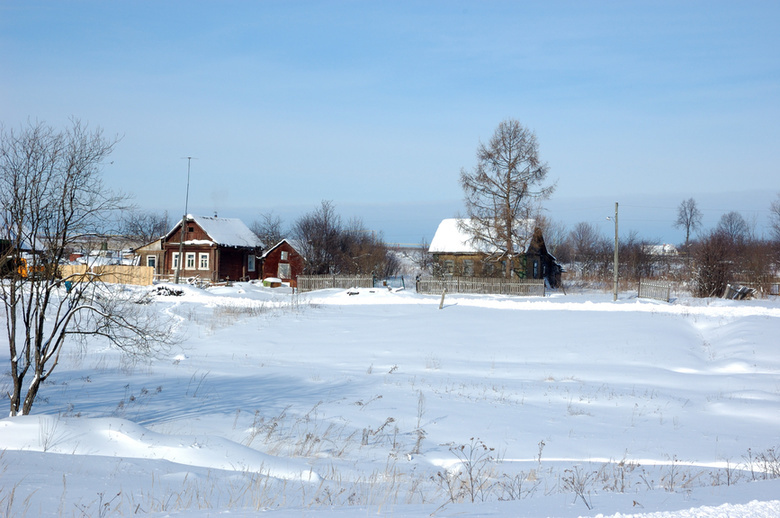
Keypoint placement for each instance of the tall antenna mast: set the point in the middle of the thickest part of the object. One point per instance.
(183, 224)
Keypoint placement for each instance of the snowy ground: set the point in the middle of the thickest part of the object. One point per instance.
(378, 402)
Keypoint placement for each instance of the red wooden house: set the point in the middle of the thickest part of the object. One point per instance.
(283, 262)
(214, 249)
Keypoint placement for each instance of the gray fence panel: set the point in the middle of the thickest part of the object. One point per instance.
(322, 282)
(655, 290)
(478, 285)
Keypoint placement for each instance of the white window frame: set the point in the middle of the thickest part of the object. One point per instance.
(287, 273)
(250, 263)
(175, 260)
(151, 260)
(203, 261)
(283, 255)
(189, 261)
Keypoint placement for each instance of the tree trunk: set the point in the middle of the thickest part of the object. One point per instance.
(32, 392)
(15, 396)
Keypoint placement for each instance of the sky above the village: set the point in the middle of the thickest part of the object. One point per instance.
(378, 105)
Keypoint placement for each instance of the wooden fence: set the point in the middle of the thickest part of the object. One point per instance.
(115, 274)
(321, 282)
(655, 290)
(522, 287)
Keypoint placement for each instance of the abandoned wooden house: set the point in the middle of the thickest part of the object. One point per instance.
(456, 252)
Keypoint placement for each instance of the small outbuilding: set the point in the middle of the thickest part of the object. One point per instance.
(282, 261)
(152, 255)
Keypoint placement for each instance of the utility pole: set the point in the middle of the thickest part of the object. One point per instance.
(616, 264)
(183, 224)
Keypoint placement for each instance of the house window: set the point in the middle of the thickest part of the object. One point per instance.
(151, 260)
(449, 267)
(536, 269)
(175, 260)
(284, 271)
(284, 255)
(203, 261)
(468, 268)
(189, 261)
(250, 262)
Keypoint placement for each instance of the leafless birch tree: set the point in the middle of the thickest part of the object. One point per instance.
(688, 218)
(501, 191)
(51, 198)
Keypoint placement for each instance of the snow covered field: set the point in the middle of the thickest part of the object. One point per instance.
(378, 402)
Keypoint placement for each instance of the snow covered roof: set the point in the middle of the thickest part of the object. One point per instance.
(10, 237)
(453, 237)
(272, 248)
(224, 231)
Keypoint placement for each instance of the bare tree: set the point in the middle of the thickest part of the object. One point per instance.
(713, 258)
(268, 228)
(589, 248)
(366, 252)
(774, 218)
(688, 217)
(422, 258)
(734, 227)
(51, 195)
(318, 234)
(145, 226)
(332, 248)
(636, 259)
(501, 190)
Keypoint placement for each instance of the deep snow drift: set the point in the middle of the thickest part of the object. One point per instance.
(378, 402)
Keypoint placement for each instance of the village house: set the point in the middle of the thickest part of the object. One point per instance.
(456, 252)
(214, 249)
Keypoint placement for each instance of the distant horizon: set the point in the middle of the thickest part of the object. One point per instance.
(409, 223)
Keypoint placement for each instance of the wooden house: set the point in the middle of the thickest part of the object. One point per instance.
(282, 261)
(213, 249)
(456, 252)
(152, 254)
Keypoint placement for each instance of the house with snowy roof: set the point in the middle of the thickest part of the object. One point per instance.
(212, 249)
(456, 251)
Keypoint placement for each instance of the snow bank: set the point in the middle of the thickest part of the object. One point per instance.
(111, 437)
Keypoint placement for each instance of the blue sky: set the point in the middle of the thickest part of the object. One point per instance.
(378, 105)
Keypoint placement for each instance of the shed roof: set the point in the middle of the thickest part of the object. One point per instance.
(272, 248)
